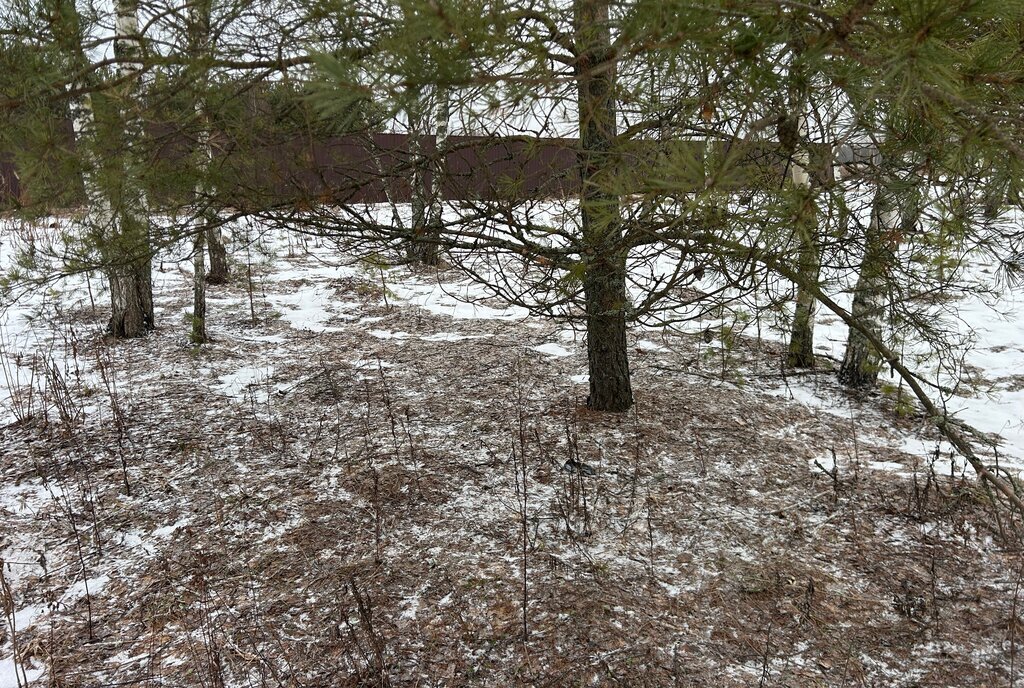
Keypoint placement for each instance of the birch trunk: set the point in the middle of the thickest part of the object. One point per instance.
(112, 214)
(200, 37)
(435, 215)
(198, 334)
(128, 251)
(801, 343)
(199, 238)
(219, 271)
(67, 30)
(861, 362)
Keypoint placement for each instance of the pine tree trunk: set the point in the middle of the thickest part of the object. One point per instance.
(861, 362)
(604, 280)
(607, 359)
(423, 249)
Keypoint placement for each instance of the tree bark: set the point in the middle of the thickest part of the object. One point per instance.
(435, 213)
(127, 251)
(198, 335)
(607, 358)
(423, 249)
(131, 298)
(219, 271)
(120, 232)
(200, 16)
(801, 343)
(604, 256)
(861, 362)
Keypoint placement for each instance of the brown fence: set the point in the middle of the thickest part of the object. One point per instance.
(10, 188)
(375, 168)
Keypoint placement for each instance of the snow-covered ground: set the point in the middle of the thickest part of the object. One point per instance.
(364, 424)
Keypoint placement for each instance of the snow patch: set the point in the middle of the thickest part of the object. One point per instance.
(552, 349)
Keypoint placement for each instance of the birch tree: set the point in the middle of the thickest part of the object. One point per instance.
(793, 141)
(116, 223)
(861, 362)
(125, 241)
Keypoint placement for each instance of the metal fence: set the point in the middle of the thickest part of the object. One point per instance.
(378, 167)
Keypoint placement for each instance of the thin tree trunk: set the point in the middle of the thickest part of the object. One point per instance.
(801, 343)
(604, 280)
(861, 362)
(200, 37)
(435, 214)
(218, 272)
(206, 217)
(128, 253)
(199, 335)
(423, 248)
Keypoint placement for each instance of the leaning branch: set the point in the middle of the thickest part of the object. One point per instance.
(949, 427)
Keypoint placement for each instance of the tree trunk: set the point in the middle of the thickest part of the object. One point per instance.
(801, 343)
(206, 218)
(113, 211)
(131, 299)
(604, 257)
(200, 16)
(607, 360)
(423, 248)
(83, 123)
(198, 335)
(861, 362)
(435, 213)
(219, 272)
(127, 250)
(200, 48)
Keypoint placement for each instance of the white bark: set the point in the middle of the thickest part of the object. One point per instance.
(861, 362)
(83, 122)
(442, 111)
(200, 16)
(130, 271)
(118, 223)
(801, 344)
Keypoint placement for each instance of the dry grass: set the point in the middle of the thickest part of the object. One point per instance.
(360, 519)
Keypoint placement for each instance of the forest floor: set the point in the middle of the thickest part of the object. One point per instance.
(357, 490)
